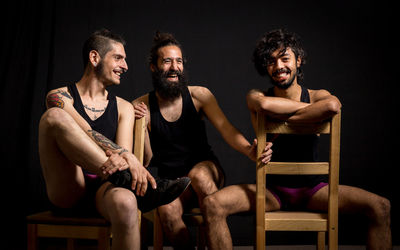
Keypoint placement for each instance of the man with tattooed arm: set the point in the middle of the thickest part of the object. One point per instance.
(85, 147)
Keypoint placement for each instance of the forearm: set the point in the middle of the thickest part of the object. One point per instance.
(236, 140)
(317, 111)
(274, 106)
(105, 143)
(148, 153)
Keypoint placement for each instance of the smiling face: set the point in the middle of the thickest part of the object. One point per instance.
(169, 75)
(169, 62)
(282, 67)
(110, 68)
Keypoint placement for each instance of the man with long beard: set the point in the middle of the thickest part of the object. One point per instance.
(85, 147)
(177, 135)
(279, 55)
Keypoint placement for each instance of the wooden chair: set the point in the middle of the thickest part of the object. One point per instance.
(299, 221)
(48, 225)
(193, 217)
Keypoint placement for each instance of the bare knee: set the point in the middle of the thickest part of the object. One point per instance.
(213, 209)
(122, 209)
(54, 118)
(170, 213)
(380, 211)
(202, 182)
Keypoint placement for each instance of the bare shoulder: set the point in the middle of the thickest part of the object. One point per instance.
(255, 92)
(143, 98)
(124, 105)
(319, 94)
(58, 98)
(200, 93)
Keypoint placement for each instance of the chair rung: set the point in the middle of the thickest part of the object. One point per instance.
(295, 221)
(297, 168)
(70, 231)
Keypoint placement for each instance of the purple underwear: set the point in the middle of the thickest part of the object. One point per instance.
(294, 198)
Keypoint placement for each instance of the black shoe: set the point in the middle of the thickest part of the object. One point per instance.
(166, 191)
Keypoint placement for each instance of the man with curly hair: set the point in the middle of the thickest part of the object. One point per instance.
(280, 55)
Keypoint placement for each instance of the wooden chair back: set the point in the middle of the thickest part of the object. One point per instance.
(301, 220)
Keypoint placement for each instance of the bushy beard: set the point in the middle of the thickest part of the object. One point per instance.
(167, 89)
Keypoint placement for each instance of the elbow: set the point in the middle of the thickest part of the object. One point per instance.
(334, 106)
(253, 101)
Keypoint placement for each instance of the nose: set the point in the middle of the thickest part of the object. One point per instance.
(174, 65)
(279, 64)
(124, 65)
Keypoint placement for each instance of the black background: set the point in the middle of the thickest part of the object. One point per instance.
(349, 54)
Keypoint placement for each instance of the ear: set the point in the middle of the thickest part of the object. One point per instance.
(152, 67)
(298, 61)
(94, 57)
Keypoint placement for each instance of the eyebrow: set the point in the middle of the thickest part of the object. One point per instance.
(172, 58)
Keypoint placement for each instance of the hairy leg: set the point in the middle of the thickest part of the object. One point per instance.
(206, 178)
(63, 147)
(230, 200)
(173, 226)
(118, 205)
(353, 200)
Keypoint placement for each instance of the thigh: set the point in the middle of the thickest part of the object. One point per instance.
(58, 172)
(242, 198)
(350, 199)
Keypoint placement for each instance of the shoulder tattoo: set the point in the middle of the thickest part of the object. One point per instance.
(56, 99)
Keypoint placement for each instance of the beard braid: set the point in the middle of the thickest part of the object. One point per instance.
(166, 89)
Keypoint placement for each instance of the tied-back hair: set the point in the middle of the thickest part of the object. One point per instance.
(100, 41)
(160, 40)
(279, 39)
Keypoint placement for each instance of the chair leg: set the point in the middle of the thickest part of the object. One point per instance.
(321, 241)
(70, 244)
(157, 232)
(103, 239)
(201, 238)
(32, 241)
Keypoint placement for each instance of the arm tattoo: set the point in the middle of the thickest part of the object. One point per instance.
(105, 143)
(55, 99)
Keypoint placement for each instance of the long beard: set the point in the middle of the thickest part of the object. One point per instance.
(167, 89)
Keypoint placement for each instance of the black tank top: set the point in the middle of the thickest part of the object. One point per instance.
(177, 146)
(291, 148)
(107, 123)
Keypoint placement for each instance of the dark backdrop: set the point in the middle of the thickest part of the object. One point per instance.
(349, 55)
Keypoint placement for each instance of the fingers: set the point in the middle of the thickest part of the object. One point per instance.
(151, 179)
(140, 110)
(114, 163)
(267, 153)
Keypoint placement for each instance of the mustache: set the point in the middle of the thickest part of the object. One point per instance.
(279, 71)
(172, 72)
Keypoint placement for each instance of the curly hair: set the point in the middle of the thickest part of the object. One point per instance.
(99, 41)
(273, 40)
(161, 40)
